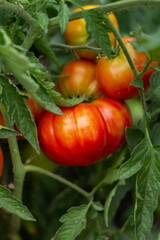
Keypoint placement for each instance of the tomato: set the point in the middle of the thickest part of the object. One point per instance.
(1, 161)
(81, 79)
(88, 133)
(76, 34)
(115, 75)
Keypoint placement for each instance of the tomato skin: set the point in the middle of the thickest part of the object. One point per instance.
(1, 161)
(81, 80)
(76, 34)
(85, 135)
(115, 75)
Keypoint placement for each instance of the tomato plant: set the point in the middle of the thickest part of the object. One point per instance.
(1, 161)
(79, 79)
(87, 133)
(115, 75)
(106, 177)
(76, 34)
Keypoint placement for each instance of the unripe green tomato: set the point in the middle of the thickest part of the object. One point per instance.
(40, 160)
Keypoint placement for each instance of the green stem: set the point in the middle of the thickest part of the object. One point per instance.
(111, 7)
(31, 168)
(32, 35)
(135, 72)
(9, 7)
(18, 169)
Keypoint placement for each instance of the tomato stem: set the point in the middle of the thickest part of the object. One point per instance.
(32, 168)
(18, 169)
(136, 74)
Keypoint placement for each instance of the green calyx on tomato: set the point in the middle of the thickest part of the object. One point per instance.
(115, 75)
(79, 79)
(88, 133)
(76, 34)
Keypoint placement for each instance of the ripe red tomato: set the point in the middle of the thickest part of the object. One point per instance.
(88, 132)
(76, 34)
(1, 161)
(115, 75)
(81, 80)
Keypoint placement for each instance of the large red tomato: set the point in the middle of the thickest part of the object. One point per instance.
(115, 75)
(88, 132)
(76, 34)
(1, 161)
(80, 79)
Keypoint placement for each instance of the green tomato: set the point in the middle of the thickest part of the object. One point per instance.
(40, 160)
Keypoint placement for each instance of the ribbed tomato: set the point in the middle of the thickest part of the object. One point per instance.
(77, 35)
(115, 75)
(88, 133)
(79, 79)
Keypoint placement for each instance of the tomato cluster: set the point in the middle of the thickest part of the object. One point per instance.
(88, 132)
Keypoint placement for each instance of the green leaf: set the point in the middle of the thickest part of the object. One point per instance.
(155, 84)
(73, 222)
(60, 101)
(21, 67)
(43, 46)
(43, 21)
(98, 30)
(7, 132)
(18, 111)
(139, 156)
(97, 206)
(147, 190)
(109, 199)
(13, 205)
(137, 83)
(63, 15)
(155, 134)
(133, 137)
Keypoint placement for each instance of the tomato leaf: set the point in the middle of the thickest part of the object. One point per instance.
(98, 30)
(13, 205)
(97, 206)
(109, 199)
(43, 21)
(7, 132)
(63, 15)
(133, 137)
(21, 67)
(155, 84)
(147, 190)
(155, 134)
(138, 83)
(18, 111)
(60, 101)
(139, 156)
(74, 221)
(44, 47)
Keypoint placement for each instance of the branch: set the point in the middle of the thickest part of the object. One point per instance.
(111, 7)
(9, 7)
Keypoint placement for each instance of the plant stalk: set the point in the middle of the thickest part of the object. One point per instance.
(18, 169)
(31, 168)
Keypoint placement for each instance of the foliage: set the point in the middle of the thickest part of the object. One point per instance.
(116, 198)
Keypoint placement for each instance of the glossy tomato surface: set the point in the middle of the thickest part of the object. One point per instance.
(115, 75)
(77, 35)
(1, 161)
(79, 79)
(88, 132)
